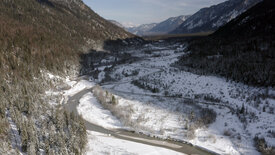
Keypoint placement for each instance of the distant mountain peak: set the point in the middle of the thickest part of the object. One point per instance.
(129, 24)
(163, 27)
(142, 29)
(169, 24)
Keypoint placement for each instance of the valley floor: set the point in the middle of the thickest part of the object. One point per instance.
(155, 99)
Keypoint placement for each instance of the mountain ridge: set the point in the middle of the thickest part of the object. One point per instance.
(163, 27)
(211, 18)
(169, 24)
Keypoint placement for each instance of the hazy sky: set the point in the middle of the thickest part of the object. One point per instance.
(146, 11)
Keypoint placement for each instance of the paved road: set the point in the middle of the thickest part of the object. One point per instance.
(132, 136)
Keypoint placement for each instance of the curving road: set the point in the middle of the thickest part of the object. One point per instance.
(132, 136)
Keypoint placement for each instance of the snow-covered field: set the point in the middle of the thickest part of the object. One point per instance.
(164, 118)
(93, 112)
(166, 113)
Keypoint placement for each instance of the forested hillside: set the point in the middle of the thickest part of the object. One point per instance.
(36, 37)
(242, 50)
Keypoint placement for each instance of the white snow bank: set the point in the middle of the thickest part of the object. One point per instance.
(235, 142)
(52, 76)
(79, 86)
(93, 112)
(103, 144)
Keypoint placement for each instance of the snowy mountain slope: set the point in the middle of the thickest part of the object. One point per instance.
(159, 28)
(210, 19)
(255, 22)
(242, 50)
(169, 24)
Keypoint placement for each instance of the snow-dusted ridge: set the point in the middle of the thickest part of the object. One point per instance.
(211, 18)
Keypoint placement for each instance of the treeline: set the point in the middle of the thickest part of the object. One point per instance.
(58, 133)
(41, 127)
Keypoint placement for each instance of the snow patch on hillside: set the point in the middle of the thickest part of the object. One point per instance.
(15, 137)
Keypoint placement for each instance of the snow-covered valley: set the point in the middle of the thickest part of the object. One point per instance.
(149, 96)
